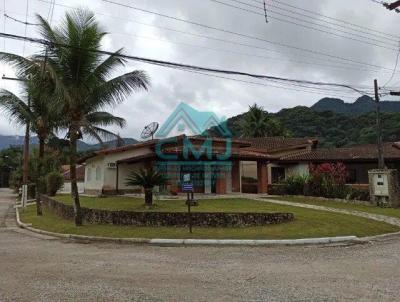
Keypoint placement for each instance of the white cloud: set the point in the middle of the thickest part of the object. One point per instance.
(225, 97)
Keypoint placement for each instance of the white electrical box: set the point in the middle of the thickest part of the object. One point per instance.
(381, 186)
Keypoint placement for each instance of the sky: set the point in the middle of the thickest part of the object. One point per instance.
(296, 44)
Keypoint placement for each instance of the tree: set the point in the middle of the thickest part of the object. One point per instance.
(147, 179)
(83, 85)
(257, 123)
(36, 108)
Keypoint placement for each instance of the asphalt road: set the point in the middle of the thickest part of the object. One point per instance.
(39, 269)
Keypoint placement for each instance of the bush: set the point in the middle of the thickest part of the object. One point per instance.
(15, 180)
(358, 194)
(54, 182)
(294, 185)
(327, 180)
(276, 189)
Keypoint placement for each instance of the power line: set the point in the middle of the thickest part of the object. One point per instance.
(378, 36)
(357, 67)
(286, 10)
(26, 26)
(170, 64)
(4, 25)
(19, 21)
(395, 67)
(245, 54)
(216, 39)
(331, 18)
(240, 34)
(270, 85)
(307, 26)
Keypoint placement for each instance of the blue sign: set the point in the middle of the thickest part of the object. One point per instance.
(188, 187)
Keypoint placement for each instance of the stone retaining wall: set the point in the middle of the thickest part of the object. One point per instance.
(96, 216)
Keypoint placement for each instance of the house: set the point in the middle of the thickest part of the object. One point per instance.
(357, 159)
(250, 167)
(80, 177)
(217, 165)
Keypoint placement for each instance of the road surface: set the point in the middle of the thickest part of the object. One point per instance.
(35, 268)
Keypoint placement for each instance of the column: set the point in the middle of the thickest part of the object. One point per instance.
(262, 177)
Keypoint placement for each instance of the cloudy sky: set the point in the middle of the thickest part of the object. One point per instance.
(294, 44)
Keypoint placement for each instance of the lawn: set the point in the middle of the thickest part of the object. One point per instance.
(341, 205)
(307, 224)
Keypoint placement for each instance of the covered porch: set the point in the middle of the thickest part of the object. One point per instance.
(208, 176)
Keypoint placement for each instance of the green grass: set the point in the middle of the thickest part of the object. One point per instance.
(307, 224)
(341, 205)
(178, 205)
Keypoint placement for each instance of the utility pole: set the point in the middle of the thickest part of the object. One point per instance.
(25, 168)
(381, 162)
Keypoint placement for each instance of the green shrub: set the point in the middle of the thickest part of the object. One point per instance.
(15, 180)
(294, 185)
(54, 182)
(359, 194)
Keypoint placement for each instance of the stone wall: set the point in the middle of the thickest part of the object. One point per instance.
(96, 216)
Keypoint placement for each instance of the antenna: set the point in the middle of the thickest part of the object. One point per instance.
(149, 130)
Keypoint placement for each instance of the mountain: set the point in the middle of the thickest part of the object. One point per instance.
(362, 105)
(7, 140)
(334, 122)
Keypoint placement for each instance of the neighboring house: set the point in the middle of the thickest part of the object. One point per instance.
(80, 175)
(358, 160)
(106, 170)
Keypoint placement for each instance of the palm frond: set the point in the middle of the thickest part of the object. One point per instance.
(105, 119)
(116, 90)
(99, 134)
(15, 108)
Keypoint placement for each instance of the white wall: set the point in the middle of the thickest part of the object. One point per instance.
(108, 177)
(123, 172)
(298, 169)
(66, 189)
(249, 169)
(93, 180)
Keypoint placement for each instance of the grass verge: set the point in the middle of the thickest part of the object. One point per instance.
(307, 224)
(392, 212)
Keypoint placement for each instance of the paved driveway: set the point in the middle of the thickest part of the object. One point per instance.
(38, 269)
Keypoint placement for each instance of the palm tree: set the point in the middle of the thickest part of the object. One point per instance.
(257, 123)
(40, 112)
(82, 78)
(147, 179)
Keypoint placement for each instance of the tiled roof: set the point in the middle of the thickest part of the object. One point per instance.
(276, 143)
(361, 152)
(242, 153)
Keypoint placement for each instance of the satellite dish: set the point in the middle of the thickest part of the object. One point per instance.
(149, 130)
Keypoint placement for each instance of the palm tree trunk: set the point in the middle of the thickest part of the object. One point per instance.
(148, 197)
(74, 185)
(40, 177)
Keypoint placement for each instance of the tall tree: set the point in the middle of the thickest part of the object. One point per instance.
(83, 81)
(257, 123)
(41, 114)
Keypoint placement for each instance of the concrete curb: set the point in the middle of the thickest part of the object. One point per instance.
(194, 242)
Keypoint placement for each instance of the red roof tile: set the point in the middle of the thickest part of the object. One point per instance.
(277, 143)
(361, 152)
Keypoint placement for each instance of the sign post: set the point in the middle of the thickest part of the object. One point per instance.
(187, 187)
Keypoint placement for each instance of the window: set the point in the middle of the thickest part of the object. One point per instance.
(277, 174)
(98, 173)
